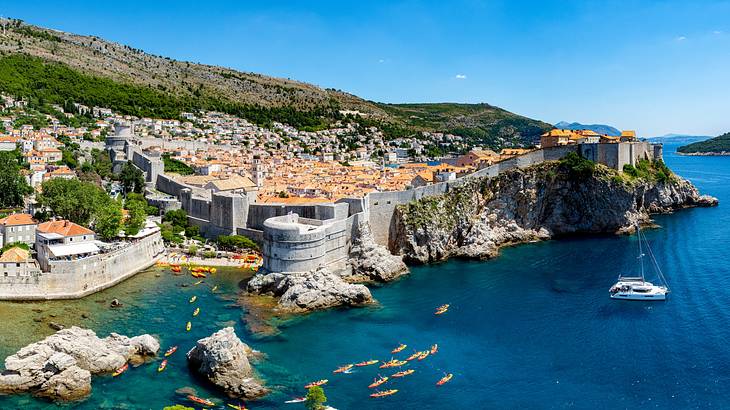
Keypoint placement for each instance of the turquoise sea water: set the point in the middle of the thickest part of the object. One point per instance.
(533, 328)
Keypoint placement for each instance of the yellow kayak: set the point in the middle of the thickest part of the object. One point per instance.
(214, 288)
(189, 326)
(193, 299)
(196, 311)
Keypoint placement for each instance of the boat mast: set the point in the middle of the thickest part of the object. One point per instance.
(641, 255)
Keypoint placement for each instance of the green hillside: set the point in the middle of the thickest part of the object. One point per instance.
(715, 145)
(59, 67)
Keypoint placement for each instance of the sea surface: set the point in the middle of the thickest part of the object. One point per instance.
(534, 328)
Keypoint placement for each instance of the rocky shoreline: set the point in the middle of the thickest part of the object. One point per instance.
(322, 288)
(537, 203)
(60, 366)
(476, 219)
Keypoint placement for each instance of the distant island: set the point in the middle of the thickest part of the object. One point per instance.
(678, 138)
(597, 128)
(714, 146)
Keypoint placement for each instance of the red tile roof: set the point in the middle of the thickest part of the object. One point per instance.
(18, 219)
(65, 228)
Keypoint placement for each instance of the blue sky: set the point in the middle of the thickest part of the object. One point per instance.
(655, 66)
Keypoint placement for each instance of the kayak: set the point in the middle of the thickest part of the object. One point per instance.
(170, 351)
(343, 369)
(162, 365)
(398, 349)
(193, 299)
(442, 309)
(393, 363)
(213, 270)
(317, 383)
(444, 379)
(296, 400)
(423, 355)
(403, 373)
(377, 382)
(384, 393)
(176, 269)
(121, 370)
(197, 283)
(188, 326)
(236, 406)
(198, 400)
(434, 348)
(196, 311)
(413, 356)
(214, 288)
(366, 363)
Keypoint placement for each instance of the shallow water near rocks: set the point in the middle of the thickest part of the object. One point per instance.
(533, 328)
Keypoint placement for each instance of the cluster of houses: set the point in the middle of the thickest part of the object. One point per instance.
(560, 137)
(49, 241)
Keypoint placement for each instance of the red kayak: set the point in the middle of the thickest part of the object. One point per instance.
(121, 370)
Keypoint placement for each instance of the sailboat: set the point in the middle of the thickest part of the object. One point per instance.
(636, 287)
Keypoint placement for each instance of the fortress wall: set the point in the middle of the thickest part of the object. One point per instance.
(79, 278)
(152, 166)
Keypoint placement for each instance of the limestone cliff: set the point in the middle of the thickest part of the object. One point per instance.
(475, 219)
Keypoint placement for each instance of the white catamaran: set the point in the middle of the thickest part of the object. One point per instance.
(636, 287)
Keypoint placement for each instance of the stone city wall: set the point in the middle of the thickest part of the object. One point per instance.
(78, 278)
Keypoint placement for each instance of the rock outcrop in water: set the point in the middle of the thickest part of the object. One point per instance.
(303, 292)
(60, 366)
(477, 218)
(223, 359)
(322, 288)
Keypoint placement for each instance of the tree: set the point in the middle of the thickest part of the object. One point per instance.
(315, 398)
(131, 178)
(192, 231)
(235, 242)
(13, 187)
(176, 217)
(108, 220)
(137, 216)
(72, 199)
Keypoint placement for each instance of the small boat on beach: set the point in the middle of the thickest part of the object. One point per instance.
(444, 379)
(188, 326)
(317, 383)
(296, 400)
(121, 370)
(384, 393)
(403, 373)
(198, 400)
(399, 348)
(163, 365)
(343, 369)
(377, 382)
(636, 287)
(193, 299)
(170, 351)
(366, 363)
(196, 311)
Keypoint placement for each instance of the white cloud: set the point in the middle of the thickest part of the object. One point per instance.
(717, 32)
(381, 61)
(681, 38)
(460, 77)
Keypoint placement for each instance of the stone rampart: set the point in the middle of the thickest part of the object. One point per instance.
(82, 277)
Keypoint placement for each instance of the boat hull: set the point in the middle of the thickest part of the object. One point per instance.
(635, 296)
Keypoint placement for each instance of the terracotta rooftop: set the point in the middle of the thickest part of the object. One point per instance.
(18, 219)
(65, 228)
(16, 254)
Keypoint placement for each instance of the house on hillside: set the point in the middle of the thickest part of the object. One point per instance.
(235, 183)
(17, 228)
(63, 240)
(477, 158)
(16, 261)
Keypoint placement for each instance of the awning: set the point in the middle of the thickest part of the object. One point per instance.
(73, 249)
